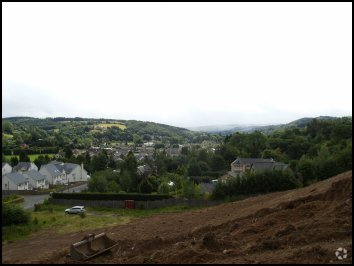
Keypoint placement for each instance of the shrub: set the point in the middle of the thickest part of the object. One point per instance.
(110, 196)
(13, 214)
(37, 207)
(82, 215)
(35, 220)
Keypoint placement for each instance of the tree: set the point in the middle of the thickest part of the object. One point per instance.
(7, 127)
(40, 160)
(204, 167)
(137, 139)
(184, 151)
(145, 186)
(111, 162)
(13, 161)
(194, 168)
(306, 170)
(130, 163)
(203, 156)
(24, 157)
(217, 163)
(163, 188)
(125, 181)
(113, 187)
(189, 190)
(97, 183)
(99, 161)
(68, 152)
(182, 170)
(14, 214)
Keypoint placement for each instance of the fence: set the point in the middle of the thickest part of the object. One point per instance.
(138, 204)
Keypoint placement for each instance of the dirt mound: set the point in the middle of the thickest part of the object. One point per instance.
(306, 225)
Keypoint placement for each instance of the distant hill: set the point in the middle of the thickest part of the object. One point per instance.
(84, 132)
(229, 129)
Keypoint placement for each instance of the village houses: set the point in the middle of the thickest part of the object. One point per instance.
(254, 165)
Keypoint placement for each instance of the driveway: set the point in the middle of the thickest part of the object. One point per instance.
(30, 200)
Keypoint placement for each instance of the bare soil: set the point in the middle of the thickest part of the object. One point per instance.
(305, 225)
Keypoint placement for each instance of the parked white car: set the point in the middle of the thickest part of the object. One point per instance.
(75, 210)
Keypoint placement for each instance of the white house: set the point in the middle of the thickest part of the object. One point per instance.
(14, 181)
(75, 172)
(62, 173)
(36, 179)
(53, 175)
(24, 166)
(6, 168)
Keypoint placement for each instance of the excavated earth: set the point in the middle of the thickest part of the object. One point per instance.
(305, 225)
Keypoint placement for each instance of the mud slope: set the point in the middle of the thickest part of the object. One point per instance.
(297, 226)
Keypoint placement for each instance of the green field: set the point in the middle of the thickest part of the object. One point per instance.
(31, 156)
(107, 125)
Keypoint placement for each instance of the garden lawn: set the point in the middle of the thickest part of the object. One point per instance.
(31, 156)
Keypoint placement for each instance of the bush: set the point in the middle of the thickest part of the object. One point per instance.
(43, 206)
(35, 220)
(82, 215)
(38, 207)
(13, 214)
(110, 196)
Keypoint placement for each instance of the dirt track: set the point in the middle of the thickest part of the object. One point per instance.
(297, 226)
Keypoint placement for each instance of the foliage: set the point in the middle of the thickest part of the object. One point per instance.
(145, 186)
(163, 188)
(263, 182)
(13, 214)
(13, 199)
(97, 183)
(110, 196)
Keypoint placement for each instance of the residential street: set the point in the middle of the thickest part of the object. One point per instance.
(30, 200)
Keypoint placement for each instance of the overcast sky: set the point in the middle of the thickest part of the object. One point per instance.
(182, 64)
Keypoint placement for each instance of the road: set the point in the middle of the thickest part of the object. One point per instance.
(30, 200)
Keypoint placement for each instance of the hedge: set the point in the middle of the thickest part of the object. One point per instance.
(111, 196)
